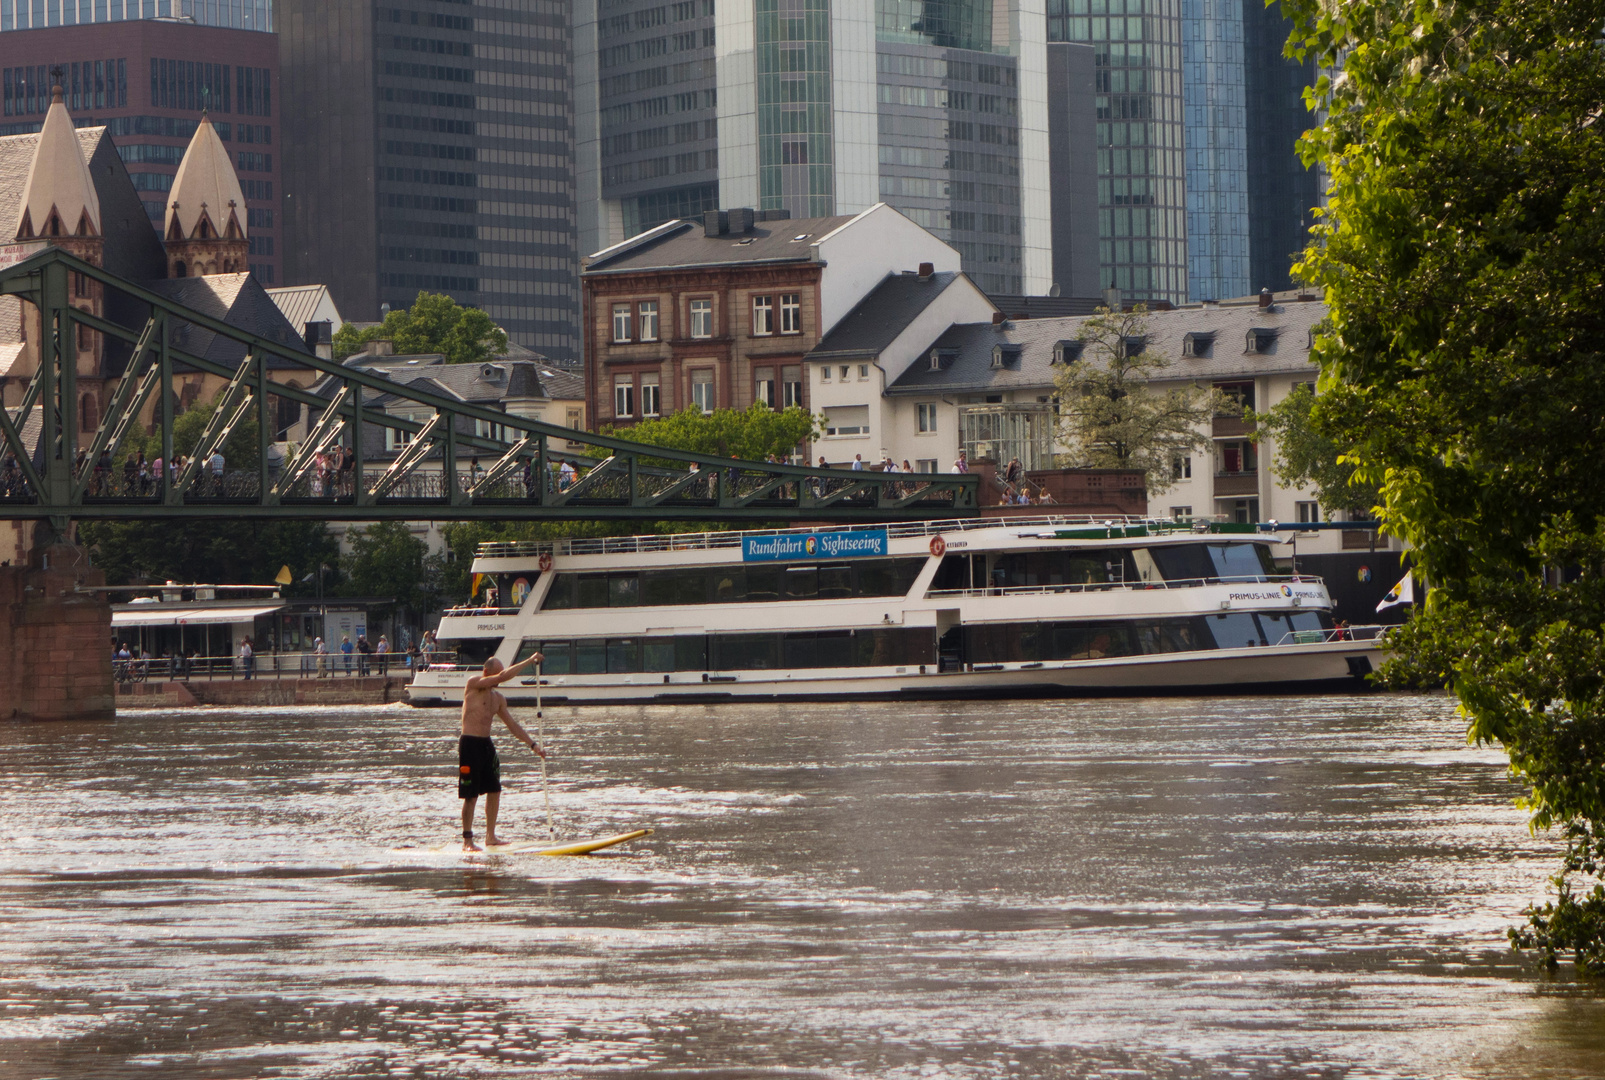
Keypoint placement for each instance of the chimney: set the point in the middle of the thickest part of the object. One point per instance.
(998, 318)
(715, 223)
(319, 339)
(381, 347)
(1111, 299)
(1265, 297)
(741, 221)
(926, 270)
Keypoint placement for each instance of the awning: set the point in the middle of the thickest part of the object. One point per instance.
(192, 616)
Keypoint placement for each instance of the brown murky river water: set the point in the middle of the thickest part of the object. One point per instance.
(1247, 888)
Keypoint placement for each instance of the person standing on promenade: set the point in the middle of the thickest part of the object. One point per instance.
(382, 652)
(321, 651)
(363, 650)
(479, 771)
(346, 648)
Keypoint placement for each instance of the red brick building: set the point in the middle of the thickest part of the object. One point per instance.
(148, 81)
(720, 313)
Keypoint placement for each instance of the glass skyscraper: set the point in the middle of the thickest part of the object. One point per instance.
(937, 107)
(37, 14)
(1142, 184)
(1215, 132)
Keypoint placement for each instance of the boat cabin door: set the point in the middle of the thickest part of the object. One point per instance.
(949, 641)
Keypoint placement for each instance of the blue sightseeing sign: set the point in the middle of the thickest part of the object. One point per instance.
(857, 544)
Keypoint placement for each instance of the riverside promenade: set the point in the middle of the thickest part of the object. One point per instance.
(333, 690)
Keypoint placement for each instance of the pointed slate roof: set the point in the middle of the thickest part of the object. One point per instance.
(206, 184)
(57, 180)
(238, 300)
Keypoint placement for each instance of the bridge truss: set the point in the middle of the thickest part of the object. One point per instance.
(46, 478)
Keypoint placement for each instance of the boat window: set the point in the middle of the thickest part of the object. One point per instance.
(621, 656)
(691, 653)
(835, 581)
(800, 650)
(1241, 560)
(1167, 637)
(1310, 620)
(473, 652)
(1234, 630)
(802, 583)
(559, 655)
(746, 652)
(746, 583)
(590, 656)
(657, 654)
(624, 590)
(1079, 566)
(1182, 562)
(1276, 624)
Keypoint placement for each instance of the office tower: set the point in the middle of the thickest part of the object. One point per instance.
(149, 82)
(434, 151)
(1281, 191)
(236, 14)
(937, 107)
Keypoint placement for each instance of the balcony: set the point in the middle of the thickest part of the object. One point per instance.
(1236, 483)
(1232, 427)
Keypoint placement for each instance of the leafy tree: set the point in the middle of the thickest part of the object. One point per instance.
(752, 435)
(240, 450)
(434, 324)
(1110, 417)
(223, 552)
(1305, 455)
(387, 560)
(1463, 256)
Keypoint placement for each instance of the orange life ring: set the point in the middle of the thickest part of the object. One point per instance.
(938, 546)
(546, 561)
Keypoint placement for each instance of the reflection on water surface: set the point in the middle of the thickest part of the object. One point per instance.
(1260, 887)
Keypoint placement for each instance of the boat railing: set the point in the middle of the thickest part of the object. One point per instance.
(1337, 633)
(1106, 586)
(609, 545)
(473, 609)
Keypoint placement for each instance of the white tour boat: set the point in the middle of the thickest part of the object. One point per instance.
(975, 608)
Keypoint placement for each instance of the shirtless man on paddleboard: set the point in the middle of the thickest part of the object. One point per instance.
(479, 772)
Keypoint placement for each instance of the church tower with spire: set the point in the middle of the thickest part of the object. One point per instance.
(204, 231)
(60, 208)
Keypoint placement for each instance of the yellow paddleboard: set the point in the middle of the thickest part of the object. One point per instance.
(582, 847)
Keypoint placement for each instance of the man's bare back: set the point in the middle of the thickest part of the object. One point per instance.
(478, 768)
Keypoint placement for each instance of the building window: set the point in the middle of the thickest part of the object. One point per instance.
(763, 386)
(395, 438)
(702, 390)
(763, 316)
(791, 386)
(847, 420)
(1235, 457)
(824, 372)
(1181, 468)
(844, 372)
(927, 417)
(623, 395)
(702, 318)
(621, 322)
(791, 314)
(925, 464)
(649, 320)
(1241, 511)
(1181, 513)
(863, 371)
(1241, 394)
(1308, 512)
(651, 394)
(484, 429)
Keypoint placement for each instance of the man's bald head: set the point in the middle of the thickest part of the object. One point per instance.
(492, 666)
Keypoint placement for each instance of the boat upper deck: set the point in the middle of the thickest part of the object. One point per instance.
(1052, 526)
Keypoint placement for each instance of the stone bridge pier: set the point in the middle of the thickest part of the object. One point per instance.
(55, 635)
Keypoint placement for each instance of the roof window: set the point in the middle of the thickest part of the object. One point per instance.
(1005, 356)
(1134, 345)
(1068, 351)
(1260, 339)
(1197, 343)
(943, 358)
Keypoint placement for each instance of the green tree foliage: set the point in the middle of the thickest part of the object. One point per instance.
(1305, 455)
(1463, 257)
(240, 451)
(752, 435)
(1111, 418)
(434, 324)
(222, 552)
(387, 560)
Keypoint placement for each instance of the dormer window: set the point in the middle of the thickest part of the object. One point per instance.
(1197, 343)
(1005, 356)
(1134, 345)
(1067, 352)
(942, 358)
(1260, 339)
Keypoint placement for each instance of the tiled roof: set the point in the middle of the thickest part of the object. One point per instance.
(684, 243)
(969, 367)
(466, 382)
(238, 300)
(882, 315)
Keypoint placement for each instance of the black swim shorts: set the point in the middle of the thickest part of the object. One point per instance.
(479, 771)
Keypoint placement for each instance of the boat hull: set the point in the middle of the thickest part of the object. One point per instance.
(1306, 668)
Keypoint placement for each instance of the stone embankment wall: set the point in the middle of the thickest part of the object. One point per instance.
(55, 640)
(177, 694)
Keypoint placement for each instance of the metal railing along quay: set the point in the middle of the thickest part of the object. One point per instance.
(272, 665)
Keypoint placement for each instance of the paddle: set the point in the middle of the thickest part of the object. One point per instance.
(540, 735)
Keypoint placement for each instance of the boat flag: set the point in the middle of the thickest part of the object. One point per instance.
(1402, 593)
(475, 590)
(284, 577)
